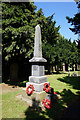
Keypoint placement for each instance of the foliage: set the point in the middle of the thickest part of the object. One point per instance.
(19, 21)
(50, 37)
(75, 21)
(18, 24)
(65, 51)
(18, 33)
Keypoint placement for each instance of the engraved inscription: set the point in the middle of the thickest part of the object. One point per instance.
(41, 70)
(35, 67)
(35, 70)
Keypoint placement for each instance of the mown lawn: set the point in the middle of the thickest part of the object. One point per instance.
(67, 87)
(62, 81)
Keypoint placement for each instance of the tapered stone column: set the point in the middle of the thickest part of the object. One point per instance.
(37, 78)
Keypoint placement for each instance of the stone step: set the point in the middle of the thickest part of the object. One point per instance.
(37, 87)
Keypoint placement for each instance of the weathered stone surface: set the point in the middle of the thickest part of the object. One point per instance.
(35, 99)
(74, 74)
(37, 87)
(38, 79)
(64, 67)
(37, 43)
(38, 59)
(37, 70)
(37, 95)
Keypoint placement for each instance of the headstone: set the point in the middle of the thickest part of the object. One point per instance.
(74, 73)
(37, 78)
(64, 67)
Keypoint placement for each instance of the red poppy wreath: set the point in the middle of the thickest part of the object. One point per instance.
(46, 87)
(47, 103)
(30, 89)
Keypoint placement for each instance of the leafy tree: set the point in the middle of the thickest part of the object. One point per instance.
(18, 33)
(65, 52)
(74, 53)
(75, 21)
(50, 37)
(18, 24)
(19, 21)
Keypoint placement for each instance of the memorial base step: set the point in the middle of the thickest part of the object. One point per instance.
(37, 87)
(35, 99)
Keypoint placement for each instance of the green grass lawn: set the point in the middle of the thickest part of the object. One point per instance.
(66, 86)
(62, 81)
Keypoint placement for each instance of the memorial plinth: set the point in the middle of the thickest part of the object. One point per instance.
(37, 78)
(36, 96)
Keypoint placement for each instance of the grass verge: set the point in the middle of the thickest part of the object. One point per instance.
(66, 86)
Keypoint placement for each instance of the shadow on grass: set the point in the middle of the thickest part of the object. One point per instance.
(17, 82)
(55, 113)
(34, 112)
(73, 81)
(59, 72)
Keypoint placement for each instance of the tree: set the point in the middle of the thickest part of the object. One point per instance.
(18, 33)
(50, 37)
(65, 52)
(18, 24)
(74, 53)
(75, 21)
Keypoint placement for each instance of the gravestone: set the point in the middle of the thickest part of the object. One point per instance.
(74, 73)
(37, 78)
(64, 67)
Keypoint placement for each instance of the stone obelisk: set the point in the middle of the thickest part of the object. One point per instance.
(37, 78)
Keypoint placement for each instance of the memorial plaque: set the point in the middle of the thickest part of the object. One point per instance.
(41, 70)
(35, 70)
(35, 67)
